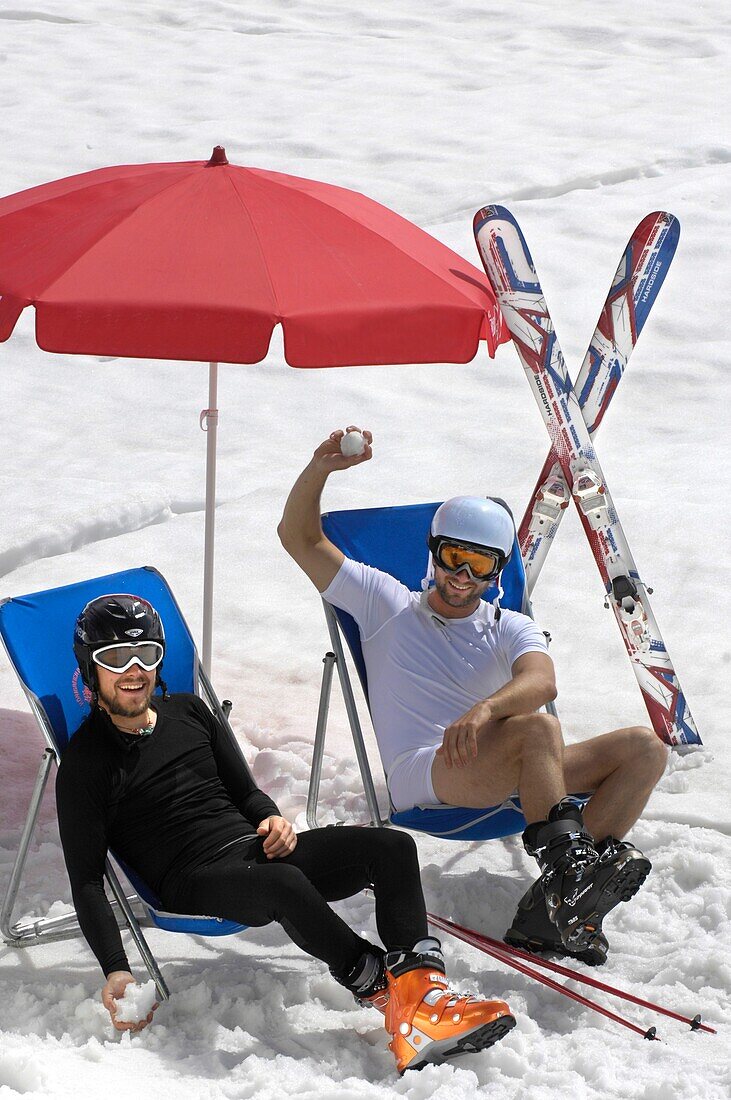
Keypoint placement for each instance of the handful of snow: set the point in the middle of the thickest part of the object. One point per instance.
(136, 1003)
(352, 443)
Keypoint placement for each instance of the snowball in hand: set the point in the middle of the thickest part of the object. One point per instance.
(136, 1002)
(352, 443)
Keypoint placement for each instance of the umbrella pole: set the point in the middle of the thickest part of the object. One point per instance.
(210, 416)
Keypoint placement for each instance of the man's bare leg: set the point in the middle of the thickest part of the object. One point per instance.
(622, 769)
(524, 753)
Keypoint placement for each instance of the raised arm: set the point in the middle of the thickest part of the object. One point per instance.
(300, 529)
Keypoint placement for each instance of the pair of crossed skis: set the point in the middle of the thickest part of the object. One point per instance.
(573, 416)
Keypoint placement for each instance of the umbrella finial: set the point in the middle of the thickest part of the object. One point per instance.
(218, 156)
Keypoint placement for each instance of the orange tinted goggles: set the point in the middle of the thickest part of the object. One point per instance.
(480, 564)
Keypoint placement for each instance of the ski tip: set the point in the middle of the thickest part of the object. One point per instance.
(651, 1033)
(490, 213)
(664, 222)
(484, 214)
(662, 215)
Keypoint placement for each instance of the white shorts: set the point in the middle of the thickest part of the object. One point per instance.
(409, 781)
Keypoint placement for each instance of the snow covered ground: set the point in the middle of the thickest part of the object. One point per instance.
(580, 118)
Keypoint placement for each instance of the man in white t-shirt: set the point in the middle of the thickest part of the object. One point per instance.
(455, 691)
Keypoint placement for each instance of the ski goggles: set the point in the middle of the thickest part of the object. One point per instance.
(453, 556)
(122, 655)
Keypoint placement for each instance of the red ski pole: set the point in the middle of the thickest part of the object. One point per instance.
(475, 940)
(491, 946)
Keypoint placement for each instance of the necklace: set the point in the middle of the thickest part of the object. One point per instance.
(141, 731)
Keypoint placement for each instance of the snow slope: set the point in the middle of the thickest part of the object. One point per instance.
(580, 119)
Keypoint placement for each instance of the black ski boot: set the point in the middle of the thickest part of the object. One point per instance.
(532, 930)
(611, 849)
(580, 885)
(634, 866)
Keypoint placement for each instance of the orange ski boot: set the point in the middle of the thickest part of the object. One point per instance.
(428, 1021)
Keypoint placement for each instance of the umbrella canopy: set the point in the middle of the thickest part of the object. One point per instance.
(200, 260)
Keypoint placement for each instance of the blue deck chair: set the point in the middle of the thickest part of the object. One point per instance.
(394, 540)
(37, 631)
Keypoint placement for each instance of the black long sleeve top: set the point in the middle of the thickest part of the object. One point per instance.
(163, 803)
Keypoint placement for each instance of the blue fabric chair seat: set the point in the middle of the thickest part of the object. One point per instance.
(461, 823)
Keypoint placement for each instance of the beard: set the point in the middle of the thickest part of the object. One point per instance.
(454, 599)
(123, 707)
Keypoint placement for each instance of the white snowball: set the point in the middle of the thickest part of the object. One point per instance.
(136, 1002)
(352, 443)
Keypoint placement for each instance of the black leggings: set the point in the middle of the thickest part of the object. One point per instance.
(241, 884)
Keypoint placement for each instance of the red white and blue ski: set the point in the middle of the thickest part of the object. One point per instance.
(512, 275)
(637, 281)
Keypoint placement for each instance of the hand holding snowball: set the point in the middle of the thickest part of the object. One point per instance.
(130, 1005)
(343, 449)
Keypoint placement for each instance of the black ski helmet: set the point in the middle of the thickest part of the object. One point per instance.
(118, 617)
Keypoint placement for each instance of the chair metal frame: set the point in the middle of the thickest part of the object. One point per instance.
(336, 660)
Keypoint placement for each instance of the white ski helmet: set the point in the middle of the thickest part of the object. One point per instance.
(481, 522)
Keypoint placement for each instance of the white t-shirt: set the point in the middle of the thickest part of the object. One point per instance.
(424, 671)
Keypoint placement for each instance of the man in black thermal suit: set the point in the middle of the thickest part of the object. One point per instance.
(157, 779)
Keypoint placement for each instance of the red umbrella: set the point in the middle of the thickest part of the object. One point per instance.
(200, 260)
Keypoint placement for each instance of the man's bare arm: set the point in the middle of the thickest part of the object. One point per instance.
(300, 529)
(532, 686)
